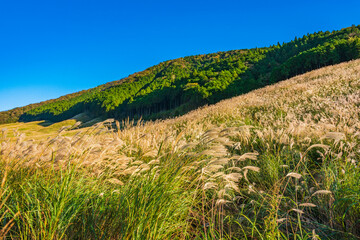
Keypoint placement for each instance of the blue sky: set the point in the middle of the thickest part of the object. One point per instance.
(51, 48)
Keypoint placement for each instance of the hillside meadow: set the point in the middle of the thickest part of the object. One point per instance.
(281, 162)
(174, 87)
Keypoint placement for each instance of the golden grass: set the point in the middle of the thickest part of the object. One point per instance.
(38, 130)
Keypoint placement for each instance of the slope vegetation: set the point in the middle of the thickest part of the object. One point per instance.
(177, 86)
(281, 162)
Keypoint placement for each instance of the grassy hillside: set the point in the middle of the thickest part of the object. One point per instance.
(281, 162)
(39, 130)
(174, 87)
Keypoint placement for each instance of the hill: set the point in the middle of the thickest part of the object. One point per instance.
(174, 87)
(281, 162)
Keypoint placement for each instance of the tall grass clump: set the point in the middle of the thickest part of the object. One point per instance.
(6, 218)
(150, 201)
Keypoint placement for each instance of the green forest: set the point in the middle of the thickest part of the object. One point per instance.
(177, 86)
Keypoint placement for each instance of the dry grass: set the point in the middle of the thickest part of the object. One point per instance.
(277, 163)
(38, 130)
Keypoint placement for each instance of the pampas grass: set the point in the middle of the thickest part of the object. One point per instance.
(275, 163)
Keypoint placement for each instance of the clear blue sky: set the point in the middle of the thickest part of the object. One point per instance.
(54, 47)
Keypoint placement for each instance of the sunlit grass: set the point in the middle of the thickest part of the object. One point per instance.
(281, 162)
(38, 130)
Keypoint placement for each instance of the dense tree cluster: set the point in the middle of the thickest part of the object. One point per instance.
(176, 86)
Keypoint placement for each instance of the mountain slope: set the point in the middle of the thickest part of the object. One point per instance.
(280, 162)
(177, 86)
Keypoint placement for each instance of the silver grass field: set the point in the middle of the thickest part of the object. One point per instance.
(281, 162)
